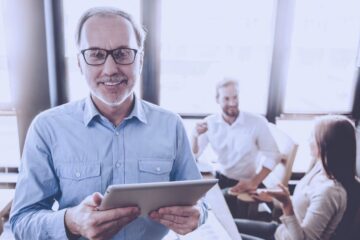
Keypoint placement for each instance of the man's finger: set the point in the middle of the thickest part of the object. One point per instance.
(97, 198)
(92, 200)
(175, 218)
(179, 210)
(116, 214)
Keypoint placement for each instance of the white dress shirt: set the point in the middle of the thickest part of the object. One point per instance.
(319, 204)
(237, 146)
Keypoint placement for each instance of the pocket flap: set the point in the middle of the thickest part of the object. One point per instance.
(155, 166)
(79, 171)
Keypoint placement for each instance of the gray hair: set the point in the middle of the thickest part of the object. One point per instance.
(140, 31)
(224, 83)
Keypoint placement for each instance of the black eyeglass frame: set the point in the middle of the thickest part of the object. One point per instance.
(108, 52)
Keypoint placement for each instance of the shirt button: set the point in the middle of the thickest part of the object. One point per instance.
(158, 169)
(117, 133)
(77, 174)
(117, 165)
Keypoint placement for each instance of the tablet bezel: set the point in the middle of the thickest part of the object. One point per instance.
(151, 196)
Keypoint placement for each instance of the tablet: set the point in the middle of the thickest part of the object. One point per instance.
(151, 196)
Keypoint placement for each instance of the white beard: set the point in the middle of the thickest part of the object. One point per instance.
(110, 104)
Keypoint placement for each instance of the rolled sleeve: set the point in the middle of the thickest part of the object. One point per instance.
(267, 146)
(44, 224)
(270, 159)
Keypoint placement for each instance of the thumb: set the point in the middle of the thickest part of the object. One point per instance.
(97, 198)
(93, 200)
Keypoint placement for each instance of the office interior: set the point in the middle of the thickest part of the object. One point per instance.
(294, 60)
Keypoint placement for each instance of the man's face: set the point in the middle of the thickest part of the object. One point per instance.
(110, 83)
(228, 100)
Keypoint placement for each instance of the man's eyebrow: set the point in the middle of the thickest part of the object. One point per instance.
(121, 46)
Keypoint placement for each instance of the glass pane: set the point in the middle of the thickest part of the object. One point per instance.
(322, 68)
(299, 130)
(9, 142)
(203, 41)
(4, 75)
(72, 11)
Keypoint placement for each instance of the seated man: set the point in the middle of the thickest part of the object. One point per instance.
(72, 153)
(237, 138)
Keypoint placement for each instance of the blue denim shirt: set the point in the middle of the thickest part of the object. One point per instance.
(72, 151)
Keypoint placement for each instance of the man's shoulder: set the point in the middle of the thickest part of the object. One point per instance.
(212, 117)
(72, 109)
(152, 110)
(253, 117)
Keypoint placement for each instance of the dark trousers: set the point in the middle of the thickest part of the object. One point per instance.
(224, 181)
(238, 208)
(256, 230)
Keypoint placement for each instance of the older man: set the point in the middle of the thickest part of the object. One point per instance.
(74, 152)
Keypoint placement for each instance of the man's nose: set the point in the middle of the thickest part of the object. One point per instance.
(110, 67)
(233, 102)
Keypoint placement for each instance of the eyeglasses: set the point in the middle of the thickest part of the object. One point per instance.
(98, 56)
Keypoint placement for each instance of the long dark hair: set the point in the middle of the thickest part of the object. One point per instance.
(336, 141)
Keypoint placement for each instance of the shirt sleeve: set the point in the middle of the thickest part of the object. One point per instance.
(324, 206)
(267, 146)
(203, 141)
(31, 215)
(184, 165)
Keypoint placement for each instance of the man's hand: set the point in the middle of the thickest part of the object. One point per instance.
(244, 186)
(85, 220)
(200, 128)
(180, 219)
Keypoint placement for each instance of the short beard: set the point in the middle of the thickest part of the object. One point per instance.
(232, 114)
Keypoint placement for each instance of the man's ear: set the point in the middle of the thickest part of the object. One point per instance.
(79, 64)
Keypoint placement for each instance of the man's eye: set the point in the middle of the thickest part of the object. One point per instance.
(121, 54)
(97, 54)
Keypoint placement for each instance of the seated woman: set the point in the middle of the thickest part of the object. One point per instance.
(321, 197)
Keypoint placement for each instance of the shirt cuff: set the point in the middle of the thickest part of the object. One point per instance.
(57, 226)
(203, 212)
(270, 163)
(288, 220)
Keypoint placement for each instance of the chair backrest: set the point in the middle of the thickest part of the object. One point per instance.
(288, 148)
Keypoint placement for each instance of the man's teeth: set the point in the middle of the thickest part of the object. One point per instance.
(111, 83)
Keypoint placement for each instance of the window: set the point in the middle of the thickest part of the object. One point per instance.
(5, 98)
(322, 67)
(299, 130)
(9, 142)
(203, 41)
(72, 11)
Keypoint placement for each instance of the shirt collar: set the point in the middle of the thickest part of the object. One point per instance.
(90, 111)
(138, 111)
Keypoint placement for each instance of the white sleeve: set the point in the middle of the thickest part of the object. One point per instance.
(267, 146)
(203, 141)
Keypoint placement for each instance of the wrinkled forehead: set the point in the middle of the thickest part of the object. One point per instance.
(107, 31)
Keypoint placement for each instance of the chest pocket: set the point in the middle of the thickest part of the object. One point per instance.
(78, 180)
(79, 172)
(154, 170)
